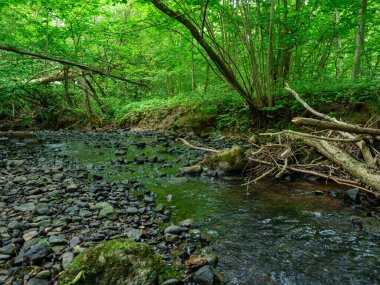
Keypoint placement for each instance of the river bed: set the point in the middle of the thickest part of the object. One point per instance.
(270, 233)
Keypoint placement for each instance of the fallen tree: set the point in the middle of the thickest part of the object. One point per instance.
(340, 145)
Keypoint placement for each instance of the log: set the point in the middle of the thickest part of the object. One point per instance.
(357, 169)
(325, 125)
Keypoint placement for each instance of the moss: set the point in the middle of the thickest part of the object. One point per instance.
(120, 261)
(228, 161)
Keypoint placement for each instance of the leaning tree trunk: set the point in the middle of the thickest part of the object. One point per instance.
(357, 169)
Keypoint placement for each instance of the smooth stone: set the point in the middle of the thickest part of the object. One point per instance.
(204, 276)
(67, 258)
(38, 281)
(30, 235)
(15, 225)
(57, 240)
(172, 282)
(72, 187)
(102, 205)
(9, 249)
(45, 274)
(174, 230)
(171, 237)
(42, 209)
(133, 234)
(108, 213)
(75, 241)
(132, 210)
(353, 194)
(38, 251)
(85, 213)
(4, 257)
(188, 223)
(26, 207)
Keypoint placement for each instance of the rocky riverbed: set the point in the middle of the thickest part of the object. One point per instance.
(53, 208)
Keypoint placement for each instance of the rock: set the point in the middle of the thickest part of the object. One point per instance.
(57, 240)
(318, 192)
(371, 225)
(37, 281)
(67, 258)
(132, 210)
(133, 234)
(4, 257)
(171, 237)
(352, 195)
(174, 230)
(119, 261)
(45, 274)
(108, 213)
(85, 213)
(27, 207)
(102, 205)
(16, 162)
(120, 152)
(204, 276)
(9, 249)
(196, 262)
(30, 235)
(172, 282)
(75, 241)
(72, 187)
(227, 162)
(188, 223)
(159, 208)
(191, 170)
(212, 259)
(42, 209)
(38, 251)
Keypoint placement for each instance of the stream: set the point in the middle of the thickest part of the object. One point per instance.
(270, 233)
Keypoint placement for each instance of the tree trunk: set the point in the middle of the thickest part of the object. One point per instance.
(349, 164)
(270, 56)
(359, 42)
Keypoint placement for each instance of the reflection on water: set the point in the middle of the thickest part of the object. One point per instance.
(276, 234)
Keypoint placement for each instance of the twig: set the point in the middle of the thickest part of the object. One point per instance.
(260, 177)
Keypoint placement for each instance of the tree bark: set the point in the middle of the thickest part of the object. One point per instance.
(270, 56)
(349, 164)
(359, 42)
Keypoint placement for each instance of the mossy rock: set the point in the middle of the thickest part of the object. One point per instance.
(118, 262)
(227, 162)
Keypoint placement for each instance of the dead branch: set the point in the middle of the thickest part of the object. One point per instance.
(334, 126)
(70, 63)
(197, 147)
(356, 139)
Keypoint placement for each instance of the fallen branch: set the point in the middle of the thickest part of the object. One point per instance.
(324, 125)
(356, 139)
(197, 147)
(68, 62)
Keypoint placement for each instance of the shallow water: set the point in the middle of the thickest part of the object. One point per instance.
(276, 233)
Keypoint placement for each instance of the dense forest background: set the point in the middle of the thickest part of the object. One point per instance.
(223, 63)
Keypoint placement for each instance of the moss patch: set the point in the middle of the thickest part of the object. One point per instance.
(229, 161)
(120, 261)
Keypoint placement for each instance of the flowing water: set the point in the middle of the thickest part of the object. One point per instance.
(276, 233)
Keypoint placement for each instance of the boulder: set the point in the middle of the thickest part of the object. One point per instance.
(118, 262)
(227, 162)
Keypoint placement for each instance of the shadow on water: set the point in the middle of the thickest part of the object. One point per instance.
(280, 233)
